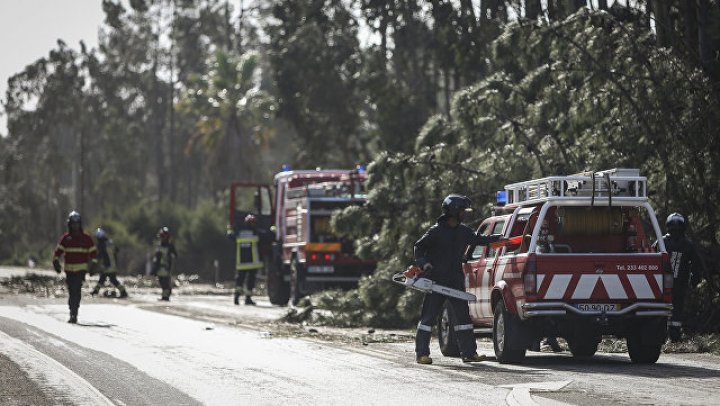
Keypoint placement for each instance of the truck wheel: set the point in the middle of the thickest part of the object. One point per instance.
(507, 330)
(583, 347)
(278, 290)
(645, 341)
(295, 283)
(446, 333)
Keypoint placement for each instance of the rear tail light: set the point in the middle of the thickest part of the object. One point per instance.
(314, 257)
(667, 277)
(530, 275)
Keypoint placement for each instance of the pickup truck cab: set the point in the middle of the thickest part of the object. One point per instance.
(583, 259)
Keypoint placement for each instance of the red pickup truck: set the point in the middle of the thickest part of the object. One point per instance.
(583, 259)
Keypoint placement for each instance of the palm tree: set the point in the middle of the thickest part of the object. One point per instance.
(233, 115)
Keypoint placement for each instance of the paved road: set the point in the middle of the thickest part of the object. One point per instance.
(204, 350)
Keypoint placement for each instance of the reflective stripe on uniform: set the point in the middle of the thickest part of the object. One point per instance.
(462, 327)
(246, 264)
(423, 327)
(675, 324)
(79, 250)
(75, 267)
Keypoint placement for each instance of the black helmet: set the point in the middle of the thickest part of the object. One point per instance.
(454, 204)
(74, 217)
(675, 224)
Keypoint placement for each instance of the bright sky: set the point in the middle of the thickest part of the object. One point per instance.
(29, 29)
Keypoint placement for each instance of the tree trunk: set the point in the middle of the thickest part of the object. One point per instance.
(704, 42)
(662, 22)
(690, 15)
(533, 9)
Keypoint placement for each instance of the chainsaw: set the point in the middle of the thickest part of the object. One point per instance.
(412, 278)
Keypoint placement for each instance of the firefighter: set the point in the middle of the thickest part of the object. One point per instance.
(686, 268)
(248, 260)
(80, 257)
(439, 253)
(108, 268)
(163, 261)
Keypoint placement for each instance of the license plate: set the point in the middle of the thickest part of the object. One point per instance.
(320, 269)
(597, 307)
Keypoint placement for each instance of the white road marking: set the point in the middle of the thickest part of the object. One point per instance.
(520, 393)
(232, 366)
(50, 373)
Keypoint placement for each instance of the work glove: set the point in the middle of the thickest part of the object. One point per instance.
(427, 269)
(695, 278)
(56, 265)
(92, 269)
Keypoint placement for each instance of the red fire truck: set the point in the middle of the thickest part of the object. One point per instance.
(583, 259)
(305, 256)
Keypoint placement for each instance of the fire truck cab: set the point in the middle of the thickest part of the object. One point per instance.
(306, 256)
(583, 258)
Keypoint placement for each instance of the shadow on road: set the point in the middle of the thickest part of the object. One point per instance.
(101, 325)
(618, 364)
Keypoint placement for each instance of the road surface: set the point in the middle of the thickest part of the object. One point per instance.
(204, 350)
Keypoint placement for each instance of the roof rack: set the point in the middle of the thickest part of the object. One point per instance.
(610, 184)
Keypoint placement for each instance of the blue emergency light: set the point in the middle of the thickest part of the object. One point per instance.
(285, 167)
(361, 168)
(501, 198)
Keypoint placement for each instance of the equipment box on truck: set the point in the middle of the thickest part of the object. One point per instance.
(583, 258)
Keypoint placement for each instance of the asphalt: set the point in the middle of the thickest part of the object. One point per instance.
(17, 388)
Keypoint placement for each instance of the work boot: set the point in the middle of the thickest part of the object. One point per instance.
(73, 319)
(249, 301)
(424, 359)
(473, 358)
(236, 298)
(123, 294)
(95, 292)
(164, 299)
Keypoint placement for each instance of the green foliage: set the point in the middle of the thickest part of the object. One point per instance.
(198, 234)
(595, 94)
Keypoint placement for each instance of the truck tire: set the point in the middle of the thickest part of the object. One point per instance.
(296, 292)
(278, 290)
(583, 347)
(507, 336)
(645, 341)
(446, 333)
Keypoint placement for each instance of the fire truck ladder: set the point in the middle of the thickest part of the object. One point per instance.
(619, 184)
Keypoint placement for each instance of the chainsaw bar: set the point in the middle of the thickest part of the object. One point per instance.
(428, 286)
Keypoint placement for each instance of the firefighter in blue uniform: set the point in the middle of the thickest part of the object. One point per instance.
(686, 268)
(163, 262)
(439, 253)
